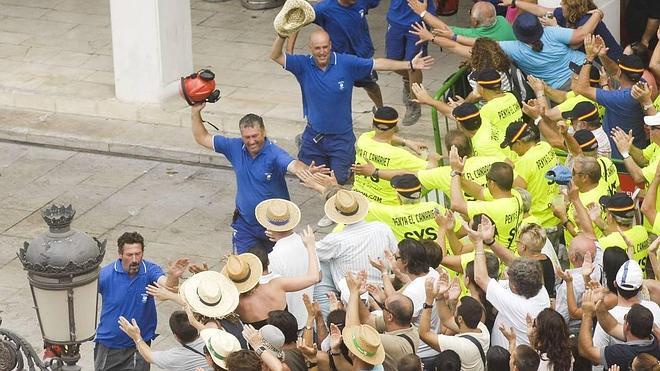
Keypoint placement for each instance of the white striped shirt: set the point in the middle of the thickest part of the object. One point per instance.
(349, 250)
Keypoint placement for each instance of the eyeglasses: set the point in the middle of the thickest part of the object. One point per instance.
(397, 257)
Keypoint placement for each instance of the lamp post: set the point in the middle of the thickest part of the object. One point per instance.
(63, 272)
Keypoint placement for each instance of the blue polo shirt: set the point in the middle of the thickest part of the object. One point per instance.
(327, 95)
(126, 296)
(257, 179)
(400, 14)
(347, 26)
(622, 110)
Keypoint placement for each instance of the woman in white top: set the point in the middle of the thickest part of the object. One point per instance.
(548, 335)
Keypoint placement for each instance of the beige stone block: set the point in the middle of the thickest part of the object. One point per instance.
(14, 38)
(115, 109)
(22, 11)
(83, 6)
(75, 105)
(77, 18)
(99, 63)
(102, 77)
(155, 114)
(15, 52)
(89, 33)
(36, 26)
(34, 101)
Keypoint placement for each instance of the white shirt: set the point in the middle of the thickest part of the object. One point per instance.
(470, 356)
(289, 258)
(179, 358)
(561, 303)
(349, 249)
(416, 291)
(604, 147)
(512, 310)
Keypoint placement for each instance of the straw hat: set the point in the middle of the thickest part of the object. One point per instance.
(346, 207)
(210, 294)
(364, 342)
(277, 214)
(244, 271)
(294, 15)
(220, 344)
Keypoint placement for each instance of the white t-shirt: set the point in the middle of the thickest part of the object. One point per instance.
(512, 310)
(416, 291)
(561, 305)
(604, 147)
(289, 259)
(466, 350)
(602, 339)
(179, 358)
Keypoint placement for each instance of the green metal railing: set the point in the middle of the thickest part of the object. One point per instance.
(439, 94)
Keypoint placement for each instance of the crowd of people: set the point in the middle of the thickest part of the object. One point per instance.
(539, 254)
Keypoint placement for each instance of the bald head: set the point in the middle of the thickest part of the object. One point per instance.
(401, 307)
(579, 247)
(318, 36)
(483, 14)
(319, 46)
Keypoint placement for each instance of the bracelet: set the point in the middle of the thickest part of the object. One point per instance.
(604, 85)
(308, 328)
(422, 14)
(646, 107)
(565, 224)
(489, 243)
(335, 354)
(454, 37)
(310, 364)
(375, 177)
(625, 155)
(411, 66)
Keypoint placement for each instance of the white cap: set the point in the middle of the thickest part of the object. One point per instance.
(630, 276)
(652, 120)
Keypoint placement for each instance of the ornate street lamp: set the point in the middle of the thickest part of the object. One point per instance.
(63, 272)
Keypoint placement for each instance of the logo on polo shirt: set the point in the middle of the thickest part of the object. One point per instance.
(268, 176)
(145, 296)
(361, 13)
(341, 85)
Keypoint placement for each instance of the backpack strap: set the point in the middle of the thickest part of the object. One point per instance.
(409, 340)
(476, 343)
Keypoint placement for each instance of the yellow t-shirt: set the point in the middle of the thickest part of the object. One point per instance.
(531, 167)
(609, 176)
(573, 99)
(652, 154)
(592, 196)
(656, 224)
(506, 214)
(486, 142)
(475, 169)
(383, 156)
(639, 239)
(500, 112)
(416, 221)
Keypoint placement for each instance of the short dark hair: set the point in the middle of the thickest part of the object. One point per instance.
(129, 238)
(251, 120)
(433, 252)
(613, 259)
(470, 310)
(409, 362)
(458, 138)
(401, 307)
(243, 360)
(497, 359)
(286, 322)
(526, 276)
(262, 255)
(492, 266)
(413, 254)
(527, 359)
(182, 328)
(640, 320)
(502, 174)
(336, 317)
(449, 361)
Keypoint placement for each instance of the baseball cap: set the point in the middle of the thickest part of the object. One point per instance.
(583, 111)
(467, 114)
(632, 66)
(630, 276)
(513, 132)
(386, 118)
(407, 185)
(594, 75)
(652, 120)
(559, 174)
(619, 204)
(489, 78)
(586, 140)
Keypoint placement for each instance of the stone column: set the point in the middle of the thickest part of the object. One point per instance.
(151, 47)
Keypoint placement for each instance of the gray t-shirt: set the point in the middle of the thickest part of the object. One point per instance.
(180, 358)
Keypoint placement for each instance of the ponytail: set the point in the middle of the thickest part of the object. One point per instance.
(537, 46)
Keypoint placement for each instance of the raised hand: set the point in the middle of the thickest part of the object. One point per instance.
(588, 304)
(418, 6)
(335, 337)
(334, 302)
(129, 328)
(308, 238)
(160, 292)
(309, 352)
(318, 169)
(622, 140)
(378, 264)
(376, 292)
(422, 63)
(564, 275)
(535, 83)
(591, 47)
(532, 108)
(252, 336)
(430, 287)
(603, 49)
(178, 267)
(421, 31)
(366, 169)
(508, 333)
(417, 147)
(312, 308)
(455, 161)
(422, 96)
(454, 291)
(196, 268)
(641, 92)
(587, 265)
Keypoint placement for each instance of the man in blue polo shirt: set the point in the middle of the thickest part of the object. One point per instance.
(346, 23)
(621, 108)
(123, 288)
(326, 79)
(260, 167)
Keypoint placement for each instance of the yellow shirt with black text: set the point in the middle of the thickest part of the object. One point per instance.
(416, 221)
(531, 167)
(639, 239)
(500, 112)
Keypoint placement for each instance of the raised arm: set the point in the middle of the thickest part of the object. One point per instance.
(583, 87)
(417, 63)
(276, 53)
(581, 214)
(419, 7)
(458, 203)
(585, 338)
(133, 331)
(354, 282)
(312, 276)
(648, 205)
(630, 154)
(608, 322)
(426, 334)
(201, 135)
(586, 29)
(654, 64)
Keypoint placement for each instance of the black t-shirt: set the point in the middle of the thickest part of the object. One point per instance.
(548, 276)
(623, 354)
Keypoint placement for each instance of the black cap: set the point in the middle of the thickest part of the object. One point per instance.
(586, 140)
(632, 66)
(514, 131)
(619, 204)
(467, 114)
(407, 185)
(489, 78)
(583, 111)
(385, 118)
(594, 75)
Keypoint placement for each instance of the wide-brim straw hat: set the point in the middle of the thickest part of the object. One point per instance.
(277, 214)
(220, 345)
(294, 15)
(347, 207)
(210, 294)
(244, 271)
(364, 342)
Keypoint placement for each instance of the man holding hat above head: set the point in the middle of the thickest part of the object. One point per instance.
(280, 217)
(621, 109)
(349, 250)
(379, 147)
(326, 80)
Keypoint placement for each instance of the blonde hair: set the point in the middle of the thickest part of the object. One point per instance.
(576, 9)
(532, 236)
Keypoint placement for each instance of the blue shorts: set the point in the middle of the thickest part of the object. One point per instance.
(247, 236)
(336, 151)
(400, 44)
(371, 80)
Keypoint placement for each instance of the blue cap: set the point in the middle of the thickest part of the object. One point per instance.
(559, 174)
(527, 28)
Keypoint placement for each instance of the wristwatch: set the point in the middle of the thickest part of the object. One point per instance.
(586, 61)
(260, 350)
(427, 306)
(454, 173)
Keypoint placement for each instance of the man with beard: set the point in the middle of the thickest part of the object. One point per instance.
(123, 287)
